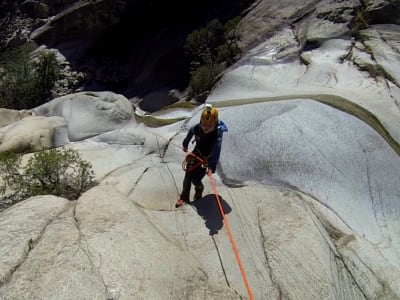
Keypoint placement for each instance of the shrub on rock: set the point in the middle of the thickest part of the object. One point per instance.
(56, 172)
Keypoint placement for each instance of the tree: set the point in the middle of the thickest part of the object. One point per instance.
(211, 49)
(25, 84)
(56, 172)
(203, 79)
(46, 72)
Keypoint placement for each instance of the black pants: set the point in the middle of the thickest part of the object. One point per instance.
(194, 176)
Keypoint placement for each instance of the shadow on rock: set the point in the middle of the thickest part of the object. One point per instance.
(208, 208)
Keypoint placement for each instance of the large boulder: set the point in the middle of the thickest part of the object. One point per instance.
(9, 116)
(383, 43)
(89, 113)
(33, 134)
(312, 20)
(330, 19)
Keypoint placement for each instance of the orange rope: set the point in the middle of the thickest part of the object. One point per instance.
(230, 236)
(225, 220)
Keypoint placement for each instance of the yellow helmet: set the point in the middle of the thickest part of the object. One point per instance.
(209, 116)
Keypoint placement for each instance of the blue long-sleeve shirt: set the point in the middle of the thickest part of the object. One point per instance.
(208, 145)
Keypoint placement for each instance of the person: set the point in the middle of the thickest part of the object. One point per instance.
(205, 155)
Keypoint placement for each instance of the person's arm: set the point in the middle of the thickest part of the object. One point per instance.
(189, 135)
(215, 153)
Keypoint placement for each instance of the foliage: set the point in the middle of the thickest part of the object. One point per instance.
(46, 73)
(230, 29)
(211, 49)
(24, 83)
(197, 46)
(361, 21)
(203, 79)
(9, 165)
(7, 6)
(56, 172)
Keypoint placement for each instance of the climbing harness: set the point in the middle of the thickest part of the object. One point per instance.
(191, 162)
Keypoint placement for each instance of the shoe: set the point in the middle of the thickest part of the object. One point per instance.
(180, 202)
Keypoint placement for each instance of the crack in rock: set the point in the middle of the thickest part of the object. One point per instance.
(86, 250)
(31, 244)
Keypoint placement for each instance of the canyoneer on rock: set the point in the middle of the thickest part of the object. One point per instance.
(204, 158)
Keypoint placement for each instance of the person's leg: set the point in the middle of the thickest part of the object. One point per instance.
(198, 191)
(187, 182)
(198, 175)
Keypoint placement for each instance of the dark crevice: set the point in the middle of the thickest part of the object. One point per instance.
(142, 51)
(137, 181)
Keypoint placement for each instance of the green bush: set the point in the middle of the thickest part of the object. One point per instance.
(25, 84)
(56, 172)
(210, 49)
(197, 46)
(46, 72)
(361, 21)
(203, 79)
(9, 169)
(230, 29)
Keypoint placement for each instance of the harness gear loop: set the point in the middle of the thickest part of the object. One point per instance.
(191, 162)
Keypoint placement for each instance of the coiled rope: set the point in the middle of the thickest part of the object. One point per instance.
(187, 166)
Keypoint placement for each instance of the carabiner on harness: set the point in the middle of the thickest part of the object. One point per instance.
(191, 162)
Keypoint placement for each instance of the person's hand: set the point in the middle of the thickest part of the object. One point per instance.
(210, 170)
(185, 149)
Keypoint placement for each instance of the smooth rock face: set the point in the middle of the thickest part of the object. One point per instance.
(323, 152)
(33, 134)
(9, 116)
(383, 40)
(22, 226)
(89, 113)
(330, 19)
(326, 73)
